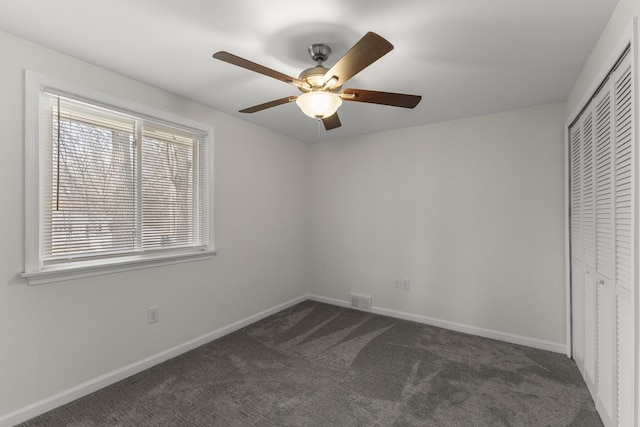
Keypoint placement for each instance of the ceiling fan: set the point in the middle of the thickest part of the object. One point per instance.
(321, 87)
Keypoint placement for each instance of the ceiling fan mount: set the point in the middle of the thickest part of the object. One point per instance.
(322, 87)
(319, 52)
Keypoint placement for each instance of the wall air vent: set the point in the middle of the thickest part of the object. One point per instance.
(361, 302)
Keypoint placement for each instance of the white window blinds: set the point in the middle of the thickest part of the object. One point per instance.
(117, 184)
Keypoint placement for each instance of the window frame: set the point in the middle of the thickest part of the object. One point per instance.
(35, 271)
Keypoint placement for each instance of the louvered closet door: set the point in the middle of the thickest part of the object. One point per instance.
(583, 246)
(605, 255)
(577, 250)
(589, 245)
(602, 196)
(624, 242)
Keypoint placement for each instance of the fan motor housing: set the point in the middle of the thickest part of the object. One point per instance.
(314, 76)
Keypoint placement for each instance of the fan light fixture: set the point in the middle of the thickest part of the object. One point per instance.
(319, 105)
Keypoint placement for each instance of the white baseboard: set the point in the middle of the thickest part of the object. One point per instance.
(33, 410)
(473, 330)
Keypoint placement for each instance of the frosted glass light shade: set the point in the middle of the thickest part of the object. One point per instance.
(319, 105)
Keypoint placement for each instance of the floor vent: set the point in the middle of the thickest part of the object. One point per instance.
(361, 302)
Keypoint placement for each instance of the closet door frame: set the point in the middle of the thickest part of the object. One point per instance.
(629, 40)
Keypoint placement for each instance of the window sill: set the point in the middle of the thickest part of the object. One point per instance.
(60, 273)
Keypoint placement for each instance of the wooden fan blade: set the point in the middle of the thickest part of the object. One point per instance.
(331, 122)
(365, 52)
(384, 98)
(252, 66)
(269, 104)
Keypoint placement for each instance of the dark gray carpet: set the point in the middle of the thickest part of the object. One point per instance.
(319, 365)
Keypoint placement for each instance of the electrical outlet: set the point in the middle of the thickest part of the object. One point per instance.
(400, 283)
(153, 315)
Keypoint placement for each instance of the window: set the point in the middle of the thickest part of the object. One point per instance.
(111, 186)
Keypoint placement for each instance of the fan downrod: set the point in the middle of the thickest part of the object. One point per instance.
(319, 52)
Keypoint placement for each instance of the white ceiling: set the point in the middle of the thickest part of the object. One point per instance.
(465, 57)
